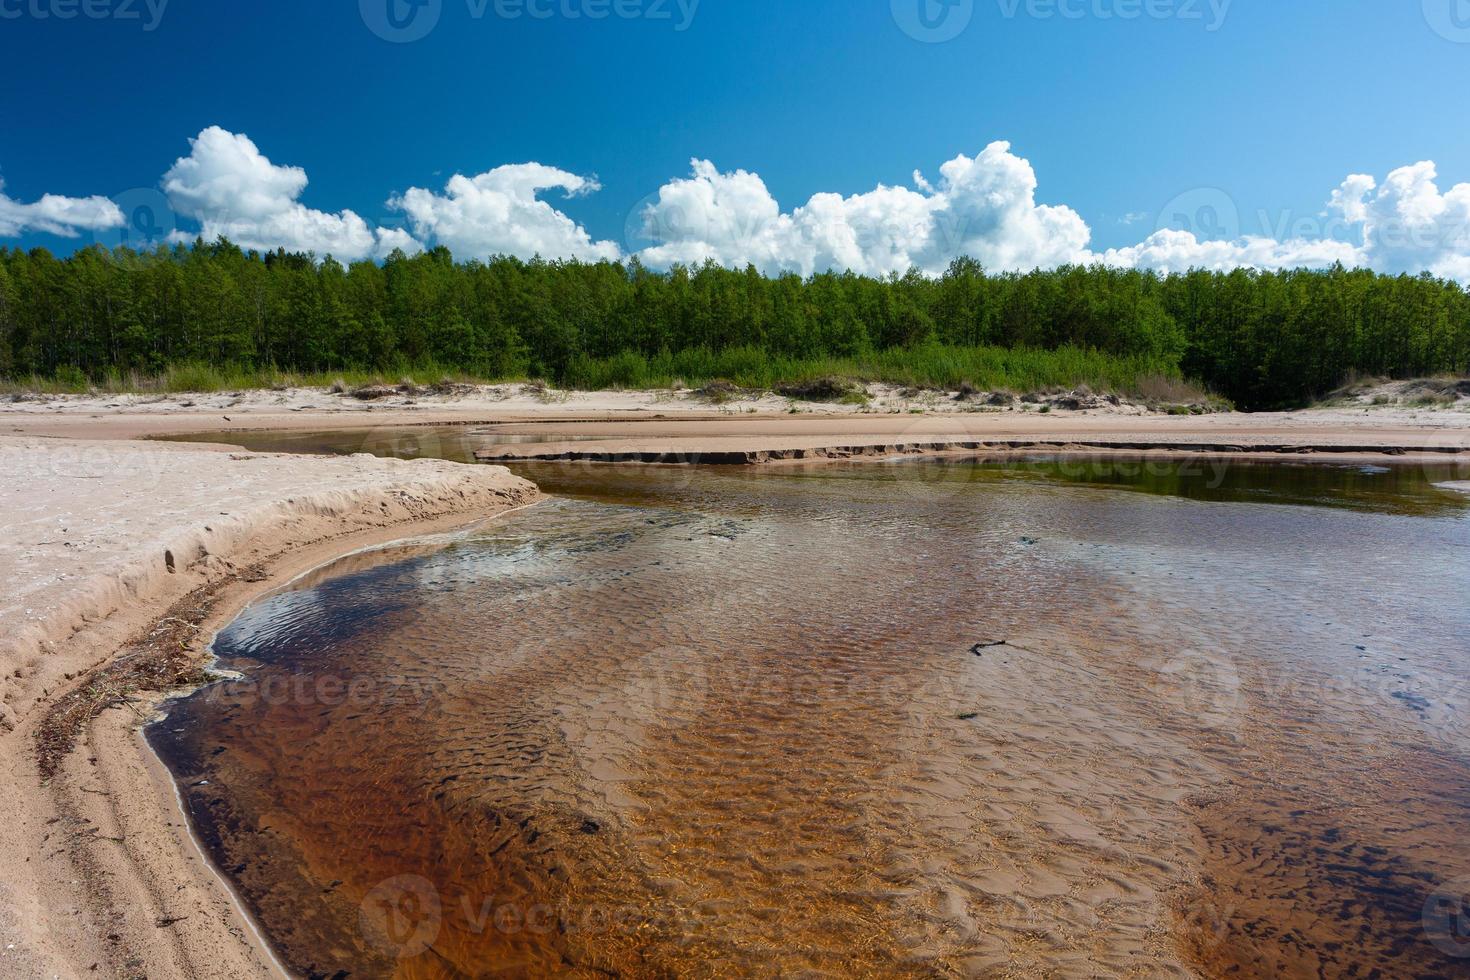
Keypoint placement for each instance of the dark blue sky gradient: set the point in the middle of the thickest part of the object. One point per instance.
(1117, 116)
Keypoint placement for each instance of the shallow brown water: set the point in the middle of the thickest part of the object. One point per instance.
(709, 723)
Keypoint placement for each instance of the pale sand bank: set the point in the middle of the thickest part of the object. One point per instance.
(676, 422)
(1328, 435)
(93, 860)
(536, 399)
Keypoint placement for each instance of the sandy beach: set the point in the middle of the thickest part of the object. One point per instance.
(109, 540)
(102, 541)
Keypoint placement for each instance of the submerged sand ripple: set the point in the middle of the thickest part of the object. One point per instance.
(723, 725)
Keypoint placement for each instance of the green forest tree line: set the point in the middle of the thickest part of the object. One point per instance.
(1259, 338)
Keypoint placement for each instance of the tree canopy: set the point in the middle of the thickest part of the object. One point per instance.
(1260, 338)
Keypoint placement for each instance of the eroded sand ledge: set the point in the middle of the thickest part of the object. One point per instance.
(101, 540)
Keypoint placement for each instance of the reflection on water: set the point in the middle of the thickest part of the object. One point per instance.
(1401, 488)
(1394, 489)
(709, 722)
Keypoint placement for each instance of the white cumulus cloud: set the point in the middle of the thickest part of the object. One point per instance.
(234, 191)
(728, 217)
(983, 207)
(986, 207)
(1408, 225)
(1171, 250)
(57, 215)
(500, 212)
(1404, 225)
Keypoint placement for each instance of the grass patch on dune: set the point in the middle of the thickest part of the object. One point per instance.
(190, 378)
(939, 367)
(936, 366)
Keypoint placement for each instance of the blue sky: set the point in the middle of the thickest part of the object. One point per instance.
(1271, 103)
